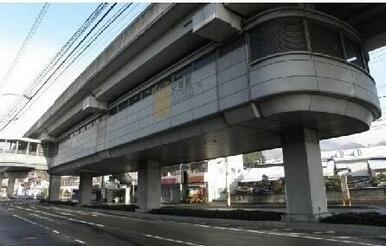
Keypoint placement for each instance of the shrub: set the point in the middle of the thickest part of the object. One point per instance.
(372, 219)
(224, 214)
(333, 184)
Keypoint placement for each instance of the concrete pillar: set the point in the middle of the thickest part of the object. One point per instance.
(85, 189)
(54, 188)
(1, 181)
(149, 186)
(28, 147)
(5, 146)
(17, 147)
(11, 186)
(304, 183)
(128, 195)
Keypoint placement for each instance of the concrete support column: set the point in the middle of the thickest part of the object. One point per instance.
(149, 186)
(85, 189)
(54, 188)
(128, 195)
(28, 147)
(17, 147)
(304, 183)
(1, 181)
(11, 186)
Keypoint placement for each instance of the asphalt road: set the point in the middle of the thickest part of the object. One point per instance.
(26, 223)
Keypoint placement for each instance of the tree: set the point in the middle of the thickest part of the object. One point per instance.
(253, 159)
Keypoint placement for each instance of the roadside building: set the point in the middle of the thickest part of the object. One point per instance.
(201, 181)
(377, 166)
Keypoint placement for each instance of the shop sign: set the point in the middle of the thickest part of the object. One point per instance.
(196, 179)
(168, 180)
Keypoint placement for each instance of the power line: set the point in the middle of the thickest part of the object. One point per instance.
(25, 43)
(83, 57)
(76, 47)
(21, 104)
(96, 35)
(67, 46)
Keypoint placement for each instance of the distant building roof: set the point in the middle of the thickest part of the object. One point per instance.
(377, 164)
(273, 172)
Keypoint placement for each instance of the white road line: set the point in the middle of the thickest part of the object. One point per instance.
(79, 241)
(275, 233)
(45, 227)
(24, 219)
(172, 240)
(41, 217)
(294, 235)
(60, 216)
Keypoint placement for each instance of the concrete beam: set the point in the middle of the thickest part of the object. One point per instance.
(215, 22)
(11, 186)
(54, 188)
(304, 183)
(149, 186)
(85, 189)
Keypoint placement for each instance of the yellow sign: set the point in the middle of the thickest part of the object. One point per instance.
(162, 101)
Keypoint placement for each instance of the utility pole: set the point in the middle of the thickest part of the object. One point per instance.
(227, 182)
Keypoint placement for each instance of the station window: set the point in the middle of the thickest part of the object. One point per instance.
(325, 39)
(204, 61)
(112, 111)
(134, 98)
(278, 36)
(146, 92)
(123, 105)
(288, 34)
(353, 52)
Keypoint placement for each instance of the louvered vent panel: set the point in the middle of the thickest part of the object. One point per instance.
(277, 36)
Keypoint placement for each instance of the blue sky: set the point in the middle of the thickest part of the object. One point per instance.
(58, 25)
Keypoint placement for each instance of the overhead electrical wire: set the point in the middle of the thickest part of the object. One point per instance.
(23, 47)
(68, 45)
(29, 93)
(86, 51)
(69, 55)
(52, 68)
(95, 36)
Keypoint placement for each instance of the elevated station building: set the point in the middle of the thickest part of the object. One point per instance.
(191, 82)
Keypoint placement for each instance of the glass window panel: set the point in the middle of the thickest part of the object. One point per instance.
(353, 52)
(325, 39)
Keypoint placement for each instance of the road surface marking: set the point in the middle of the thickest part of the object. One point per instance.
(172, 240)
(59, 216)
(79, 241)
(293, 234)
(45, 227)
(41, 217)
(25, 219)
(271, 232)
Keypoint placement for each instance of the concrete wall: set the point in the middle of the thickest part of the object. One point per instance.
(305, 73)
(358, 196)
(156, 113)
